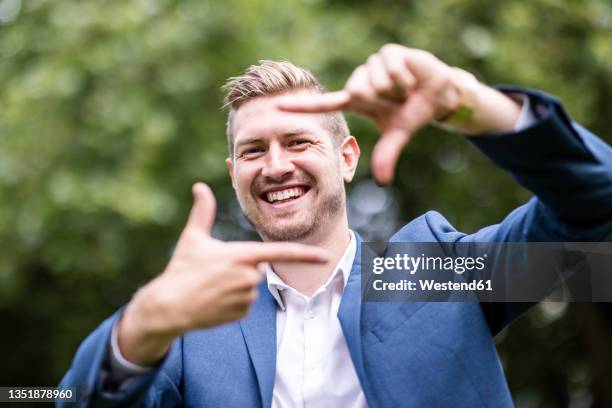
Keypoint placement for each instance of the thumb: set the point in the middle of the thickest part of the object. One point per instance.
(204, 208)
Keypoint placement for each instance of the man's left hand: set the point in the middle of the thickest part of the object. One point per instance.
(403, 89)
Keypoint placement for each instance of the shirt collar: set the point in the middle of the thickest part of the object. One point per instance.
(343, 267)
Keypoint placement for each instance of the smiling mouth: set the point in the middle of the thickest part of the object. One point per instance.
(285, 195)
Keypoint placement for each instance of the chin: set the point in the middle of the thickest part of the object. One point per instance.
(286, 232)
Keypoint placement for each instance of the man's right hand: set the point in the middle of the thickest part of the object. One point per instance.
(206, 283)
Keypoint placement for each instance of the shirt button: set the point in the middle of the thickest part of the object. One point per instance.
(311, 314)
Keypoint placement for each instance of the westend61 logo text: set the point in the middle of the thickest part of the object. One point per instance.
(413, 264)
(466, 271)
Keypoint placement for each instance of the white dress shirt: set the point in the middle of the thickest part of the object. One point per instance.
(313, 364)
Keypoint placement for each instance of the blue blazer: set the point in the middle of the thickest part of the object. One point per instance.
(406, 354)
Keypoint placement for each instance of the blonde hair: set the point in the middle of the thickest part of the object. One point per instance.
(274, 78)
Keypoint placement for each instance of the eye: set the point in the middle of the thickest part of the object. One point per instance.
(299, 143)
(251, 151)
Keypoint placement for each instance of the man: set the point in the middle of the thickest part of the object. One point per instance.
(308, 340)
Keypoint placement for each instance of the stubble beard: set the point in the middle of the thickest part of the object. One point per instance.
(329, 207)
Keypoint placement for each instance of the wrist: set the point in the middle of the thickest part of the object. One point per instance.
(122, 368)
(143, 338)
(460, 101)
(480, 109)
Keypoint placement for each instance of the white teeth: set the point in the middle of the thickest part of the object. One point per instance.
(285, 194)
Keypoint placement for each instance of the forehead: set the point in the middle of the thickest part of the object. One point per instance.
(261, 118)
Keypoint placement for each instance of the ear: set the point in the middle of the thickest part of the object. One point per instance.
(349, 151)
(230, 169)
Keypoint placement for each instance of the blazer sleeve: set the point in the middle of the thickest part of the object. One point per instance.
(157, 388)
(569, 171)
(568, 168)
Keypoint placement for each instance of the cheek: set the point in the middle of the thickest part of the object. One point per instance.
(243, 178)
(316, 162)
(323, 166)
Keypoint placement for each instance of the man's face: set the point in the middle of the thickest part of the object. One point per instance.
(288, 176)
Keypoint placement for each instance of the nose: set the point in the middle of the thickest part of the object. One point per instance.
(277, 165)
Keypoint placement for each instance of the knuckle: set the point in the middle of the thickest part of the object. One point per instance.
(249, 277)
(252, 295)
(253, 279)
(435, 61)
(351, 81)
(390, 47)
(157, 297)
(360, 72)
(444, 78)
(383, 84)
(394, 71)
(424, 54)
(446, 81)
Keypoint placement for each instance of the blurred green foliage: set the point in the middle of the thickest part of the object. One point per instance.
(110, 110)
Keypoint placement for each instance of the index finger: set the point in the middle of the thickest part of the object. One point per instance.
(315, 103)
(255, 252)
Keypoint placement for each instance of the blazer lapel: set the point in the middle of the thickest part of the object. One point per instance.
(349, 313)
(259, 331)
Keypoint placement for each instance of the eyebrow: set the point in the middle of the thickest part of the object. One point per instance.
(289, 133)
